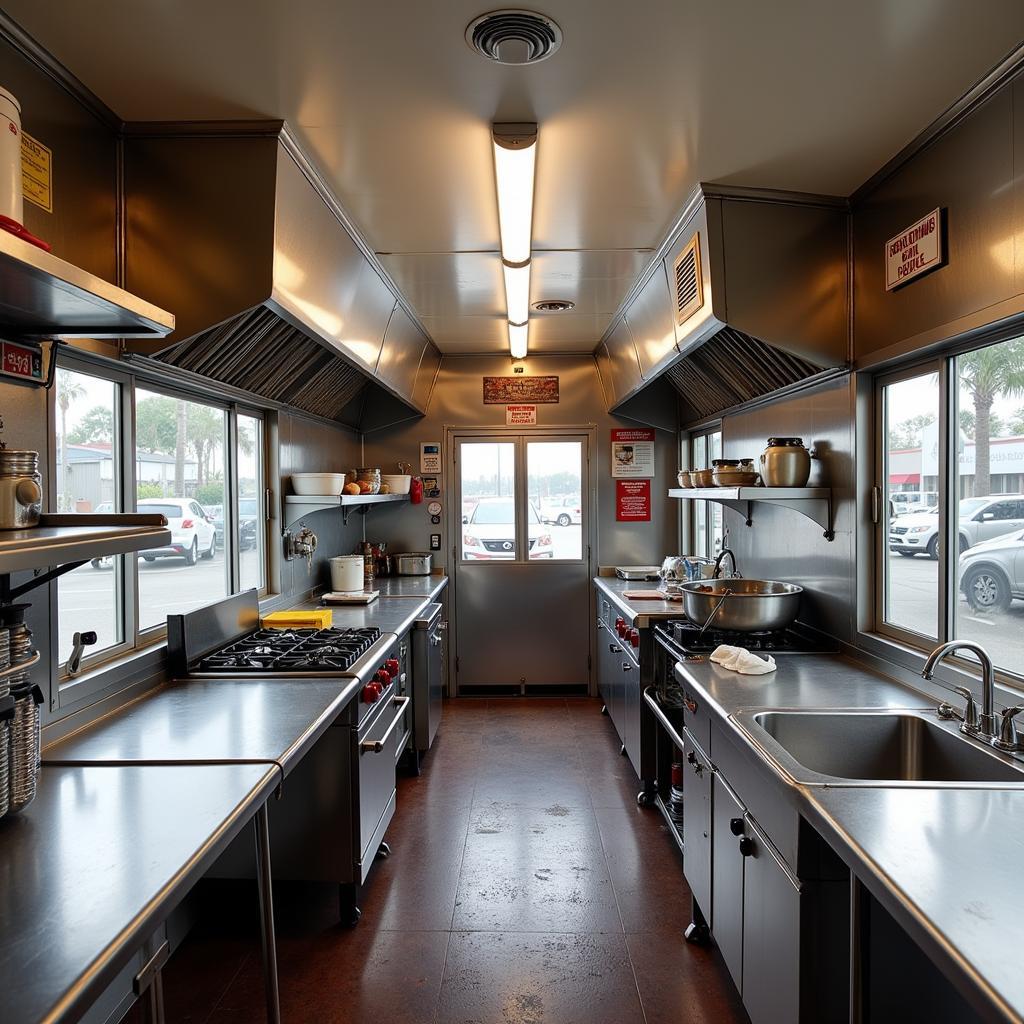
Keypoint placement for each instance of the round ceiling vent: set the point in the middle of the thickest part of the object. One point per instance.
(514, 37)
(554, 306)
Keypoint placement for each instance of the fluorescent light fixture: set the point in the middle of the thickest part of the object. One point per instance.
(515, 153)
(517, 292)
(518, 338)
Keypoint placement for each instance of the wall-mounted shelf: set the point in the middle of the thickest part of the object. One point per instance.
(64, 542)
(43, 296)
(299, 505)
(814, 503)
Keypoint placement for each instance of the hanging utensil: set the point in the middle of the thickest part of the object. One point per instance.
(714, 611)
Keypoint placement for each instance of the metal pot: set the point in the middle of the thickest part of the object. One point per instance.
(752, 606)
(413, 563)
(785, 463)
(21, 489)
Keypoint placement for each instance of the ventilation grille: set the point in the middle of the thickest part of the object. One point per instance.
(689, 293)
(259, 352)
(554, 306)
(732, 368)
(514, 37)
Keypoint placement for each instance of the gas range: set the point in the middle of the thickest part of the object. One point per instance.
(292, 650)
(685, 638)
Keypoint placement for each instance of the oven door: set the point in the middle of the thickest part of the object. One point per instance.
(374, 755)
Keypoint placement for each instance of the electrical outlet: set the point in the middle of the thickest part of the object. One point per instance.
(435, 542)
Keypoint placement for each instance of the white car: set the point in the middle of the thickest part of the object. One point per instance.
(490, 532)
(192, 532)
(981, 519)
(562, 511)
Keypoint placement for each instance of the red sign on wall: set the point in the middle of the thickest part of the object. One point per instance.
(633, 501)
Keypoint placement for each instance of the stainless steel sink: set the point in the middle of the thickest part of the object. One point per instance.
(875, 747)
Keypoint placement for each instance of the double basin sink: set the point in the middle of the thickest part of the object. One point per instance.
(871, 748)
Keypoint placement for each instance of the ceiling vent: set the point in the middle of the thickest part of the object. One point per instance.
(554, 306)
(689, 296)
(514, 37)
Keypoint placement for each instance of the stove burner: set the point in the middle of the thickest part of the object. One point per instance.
(293, 649)
(687, 636)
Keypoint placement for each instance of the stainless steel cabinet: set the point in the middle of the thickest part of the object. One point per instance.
(697, 799)
(727, 877)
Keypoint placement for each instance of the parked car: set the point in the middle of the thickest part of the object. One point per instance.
(562, 511)
(992, 573)
(981, 519)
(913, 501)
(489, 532)
(192, 532)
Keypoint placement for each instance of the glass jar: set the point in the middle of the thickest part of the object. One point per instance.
(366, 475)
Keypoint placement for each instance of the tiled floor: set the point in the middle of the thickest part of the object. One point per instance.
(525, 886)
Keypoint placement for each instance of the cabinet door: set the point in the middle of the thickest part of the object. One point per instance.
(771, 934)
(631, 698)
(697, 825)
(727, 877)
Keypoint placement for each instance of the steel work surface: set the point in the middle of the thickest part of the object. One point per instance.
(392, 614)
(638, 613)
(212, 720)
(96, 863)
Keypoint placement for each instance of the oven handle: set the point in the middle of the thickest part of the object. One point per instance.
(376, 746)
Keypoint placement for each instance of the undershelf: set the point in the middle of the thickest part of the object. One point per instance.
(814, 503)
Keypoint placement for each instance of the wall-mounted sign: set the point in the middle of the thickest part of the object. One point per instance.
(513, 390)
(22, 360)
(633, 501)
(520, 415)
(914, 251)
(36, 172)
(632, 454)
(430, 457)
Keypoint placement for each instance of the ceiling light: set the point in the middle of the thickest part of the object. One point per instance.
(518, 339)
(517, 292)
(515, 151)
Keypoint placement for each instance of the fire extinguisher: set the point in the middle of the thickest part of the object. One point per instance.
(416, 491)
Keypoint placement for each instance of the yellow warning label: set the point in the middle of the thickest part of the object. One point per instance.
(36, 172)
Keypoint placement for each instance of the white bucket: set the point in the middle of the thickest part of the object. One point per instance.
(347, 573)
(11, 201)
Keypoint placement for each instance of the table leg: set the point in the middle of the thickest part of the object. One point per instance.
(265, 883)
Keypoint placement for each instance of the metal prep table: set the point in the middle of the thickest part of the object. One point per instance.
(97, 862)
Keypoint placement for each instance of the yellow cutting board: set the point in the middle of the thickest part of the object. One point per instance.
(320, 618)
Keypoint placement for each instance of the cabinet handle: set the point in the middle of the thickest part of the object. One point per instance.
(736, 826)
(626, 667)
(614, 649)
(746, 846)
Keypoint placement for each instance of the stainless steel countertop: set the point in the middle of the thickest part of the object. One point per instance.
(944, 861)
(425, 587)
(394, 613)
(97, 861)
(212, 720)
(638, 613)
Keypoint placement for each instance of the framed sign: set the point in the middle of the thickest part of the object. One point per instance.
(516, 390)
(915, 250)
(633, 501)
(632, 454)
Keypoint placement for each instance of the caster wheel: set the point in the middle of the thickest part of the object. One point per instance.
(384, 851)
(697, 934)
(622, 750)
(644, 799)
(604, 710)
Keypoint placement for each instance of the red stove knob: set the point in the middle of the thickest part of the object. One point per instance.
(371, 693)
(619, 623)
(634, 637)
(392, 666)
(382, 676)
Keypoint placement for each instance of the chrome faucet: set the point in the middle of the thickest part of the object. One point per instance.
(983, 725)
(718, 563)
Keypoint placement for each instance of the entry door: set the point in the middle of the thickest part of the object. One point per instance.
(522, 561)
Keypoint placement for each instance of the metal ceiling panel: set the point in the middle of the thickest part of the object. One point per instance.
(596, 282)
(449, 284)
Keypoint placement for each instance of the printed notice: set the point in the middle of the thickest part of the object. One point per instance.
(633, 501)
(915, 251)
(520, 415)
(632, 454)
(36, 172)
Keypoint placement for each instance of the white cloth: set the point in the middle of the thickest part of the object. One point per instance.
(739, 659)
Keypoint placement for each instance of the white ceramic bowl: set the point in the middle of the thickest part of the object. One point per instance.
(398, 482)
(318, 483)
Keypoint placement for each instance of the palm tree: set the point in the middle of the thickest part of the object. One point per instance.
(69, 389)
(987, 374)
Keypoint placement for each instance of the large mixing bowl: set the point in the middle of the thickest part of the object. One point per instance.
(752, 606)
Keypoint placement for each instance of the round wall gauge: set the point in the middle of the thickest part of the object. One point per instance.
(434, 508)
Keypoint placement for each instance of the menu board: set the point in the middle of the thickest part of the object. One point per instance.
(632, 454)
(633, 501)
(517, 390)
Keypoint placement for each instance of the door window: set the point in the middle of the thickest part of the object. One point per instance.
(554, 472)
(487, 478)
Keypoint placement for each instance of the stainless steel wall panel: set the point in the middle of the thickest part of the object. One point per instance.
(652, 324)
(400, 354)
(426, 374)
(970, 173)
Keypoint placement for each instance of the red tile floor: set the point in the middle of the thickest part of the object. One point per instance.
(524, 886)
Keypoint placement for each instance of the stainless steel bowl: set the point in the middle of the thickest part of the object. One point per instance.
(752, 606)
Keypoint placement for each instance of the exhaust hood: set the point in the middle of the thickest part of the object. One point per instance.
(746, 298)
(273, 289)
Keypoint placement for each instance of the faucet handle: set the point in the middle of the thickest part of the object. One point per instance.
(971, 724)
(1007, 739)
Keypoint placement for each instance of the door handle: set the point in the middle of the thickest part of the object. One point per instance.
(376, 746)
(614, 649)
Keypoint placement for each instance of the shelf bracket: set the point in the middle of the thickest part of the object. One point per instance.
(8, 594)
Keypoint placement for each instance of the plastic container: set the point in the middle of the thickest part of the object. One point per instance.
(398, 483)
(347, 573)
(11, 200)
(318, 483)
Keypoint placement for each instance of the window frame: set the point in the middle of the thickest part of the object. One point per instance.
(70, 691)
(703, 434)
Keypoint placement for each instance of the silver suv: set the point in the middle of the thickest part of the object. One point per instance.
(981, 519)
